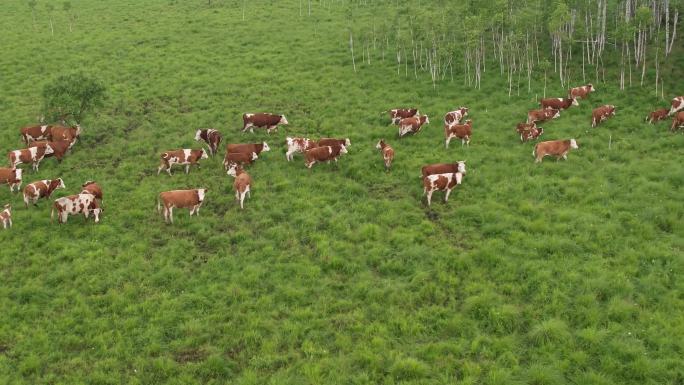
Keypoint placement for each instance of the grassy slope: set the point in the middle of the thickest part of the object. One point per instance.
(565, 272)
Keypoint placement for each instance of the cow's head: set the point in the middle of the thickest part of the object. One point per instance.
(203, 154)
(88, 182)
(265, 148)
(575, 102)
(254, 156)
(573, 144)
(76, 130)
(17, 173)
(540, 130)
(461, 166)
(590, 88)
(381, 142)
(58, 183)
(612, 110)
(96, 213)
(49, 150)
(347, 142)
(459, 177)
(283, 120)
(201, 192)
(425, 119)
(469, 122)
(343, 149)
(198, 135)
(232, 169)
(556, 114)
(8, 207)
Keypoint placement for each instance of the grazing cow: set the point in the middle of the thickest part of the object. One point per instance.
(41, 189)
(659, 114)
(248, 148)
(333, 141)
(185, 157)
(543, 115)
(295, 145)
(677, 121)
(242, 183)
(93, 188)
(531, 133)
(33, 155)
(454, 117)
(6, 216)
(412, 125)
(238, 158)
(11, 176)
(191, 199)
(443, 168)
(59, 148)
(677, 104)
(269, 121)
(83, 203)
(65, 133)
(461, 131)
(444, 182)
(211, 137)
(387, 153)
(33, 133)
(601, 114)
(557, 148)
(581, 92)
(398, 114)
(558, 103)
(323, 154)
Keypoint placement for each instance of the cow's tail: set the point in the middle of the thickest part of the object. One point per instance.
(158, 205)
(52, 214)
(534, 150)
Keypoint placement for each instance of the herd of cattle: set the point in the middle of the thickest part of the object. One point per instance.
(43, 141)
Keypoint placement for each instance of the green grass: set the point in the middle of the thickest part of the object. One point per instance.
(563, 272)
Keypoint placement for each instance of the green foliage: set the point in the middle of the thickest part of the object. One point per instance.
(72, 96)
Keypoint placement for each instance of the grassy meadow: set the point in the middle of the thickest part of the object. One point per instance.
(563, 272)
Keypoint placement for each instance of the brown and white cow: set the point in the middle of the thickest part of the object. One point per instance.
(238, 158)
(677, 121)
(677, 104)
(659, 114)
(295, 145)
(6, 216)
(461, 131)
(242, 183)
(412, 125)
(387, 153)
(248, 148)
(191, 199)
(185, 157)
(65, 133)
(41, 189)
(558, 103)
(443, 168)
(443, 182)
(542, 115)
(581, 92)
(323, 154)
(83, 203)
(11, 176)
(93, 188)
(34, 133)
(211, 137)
(269, 121)
(33, 155)
(398, 114)
(531, 133)
(601, 114)
(454, 117)
(557, 148)
(59, 148)
(333, 141)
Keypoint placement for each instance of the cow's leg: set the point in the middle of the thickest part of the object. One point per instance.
(446, 196)
(288, 155)
(448, 140)
(171, 214)
(161, 166)
(242, 200)
(468, 141)
(429, 197)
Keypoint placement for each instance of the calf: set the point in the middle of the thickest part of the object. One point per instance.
(93, 188)
(295, 145)
(248, 148)
(677, 104)
(83, 203)
(6, 216)
(581, 92)
(34, 133)
(59, 148)
(185, 157)
(444, 182)
(557, 148)
(333, 141)
(398, 114)
(238, 158)
(33, 155)
(191, 199)
(211, 137)
(443, 168)
(677, 121)
(412, 125)
(454, 117)
(657, 115)
(461, 131)
(387, 153)
(558, 103)
(41, 189)
(269, 121)
(11, 176)
(323, 154)
(601, 114)
(242, 183)
(543, 115)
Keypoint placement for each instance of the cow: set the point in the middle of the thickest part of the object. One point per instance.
(269, 121)
(444, 182)
(454, 117)
(333, 141)
(191, 199)
(238, 158)
(65, 133)
(93, 188)
(248, 148)
(242, 183)
(601, 114)
(557, 148)
(677, 121)
(6, 216)
(83, 203)
(185, 157)
(387, 153)
(558, 103)
(543, 115)
(11, 176)
(461, 131)
(398, 114)
(581, 92)
(323, 154)
(59, 148)
(443, 168)
(412, 125)
(659, 114)
(295, 145)
(531, 133)
(211, 137)
(33, 155)
(41, 189)
(677, 104)
(34, 133)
